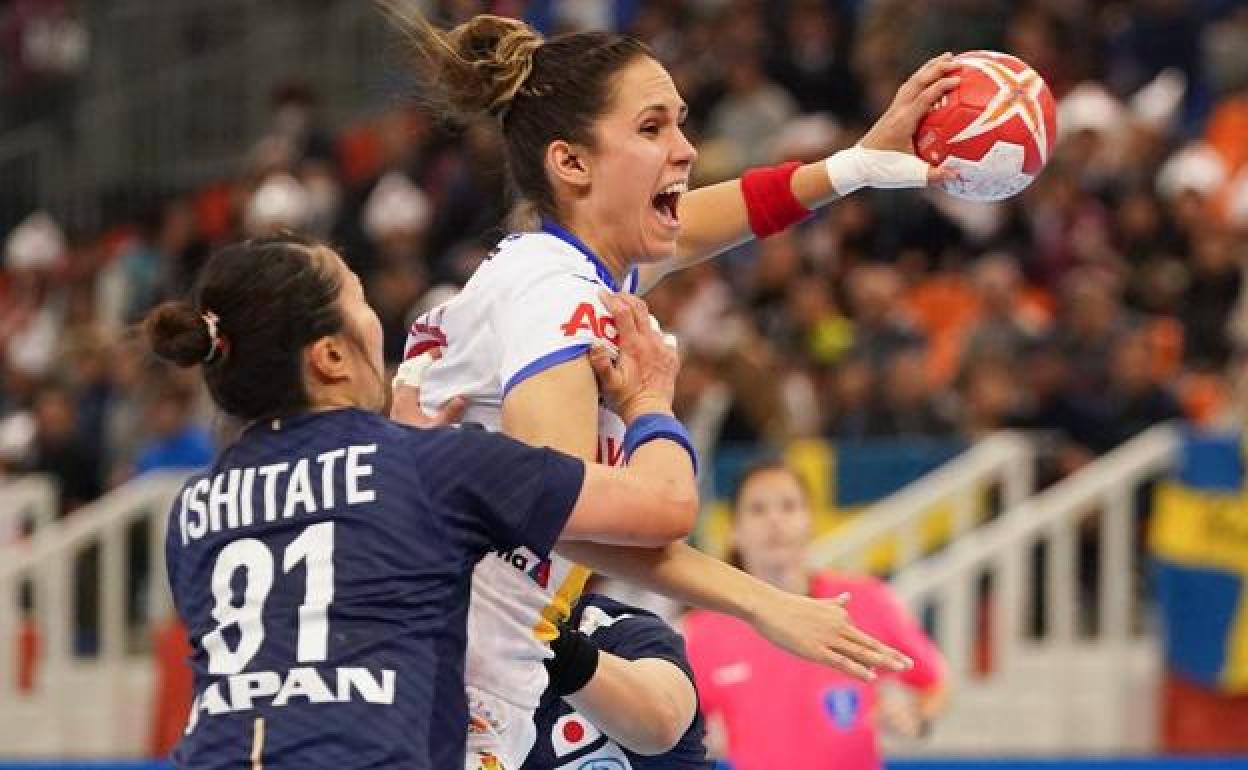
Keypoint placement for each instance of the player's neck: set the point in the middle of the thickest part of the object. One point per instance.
(328, 397)
(596, 239)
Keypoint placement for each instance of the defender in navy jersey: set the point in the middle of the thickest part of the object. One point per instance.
(570, 740)
(336, 546)
(322, 566)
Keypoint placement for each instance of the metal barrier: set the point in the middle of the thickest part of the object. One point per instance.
(1002, 461)
(27, 505)
(51, 564)
(1080, 670)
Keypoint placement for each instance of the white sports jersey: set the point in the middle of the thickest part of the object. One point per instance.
(532, 305)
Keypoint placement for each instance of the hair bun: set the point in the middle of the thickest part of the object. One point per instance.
(476, 68)
(177, 333)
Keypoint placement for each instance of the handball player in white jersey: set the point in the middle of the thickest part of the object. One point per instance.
(591, 125)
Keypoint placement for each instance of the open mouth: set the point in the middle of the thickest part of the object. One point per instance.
(666, 203)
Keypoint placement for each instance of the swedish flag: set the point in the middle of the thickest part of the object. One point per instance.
(1199, 540)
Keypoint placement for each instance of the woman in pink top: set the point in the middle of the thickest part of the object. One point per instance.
(776, 710)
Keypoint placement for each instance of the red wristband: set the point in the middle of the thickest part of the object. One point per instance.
(769, 201)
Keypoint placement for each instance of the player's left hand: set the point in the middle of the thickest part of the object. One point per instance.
(900, 717)
(895, 129)
(820, 630)
(405, 405)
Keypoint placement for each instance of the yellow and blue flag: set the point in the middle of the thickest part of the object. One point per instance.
(1199, 542)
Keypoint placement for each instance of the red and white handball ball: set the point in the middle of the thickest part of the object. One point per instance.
(996, 128)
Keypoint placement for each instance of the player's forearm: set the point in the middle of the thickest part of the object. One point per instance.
(665, 469)
(680, 572)
(639, 704)
(714, 218)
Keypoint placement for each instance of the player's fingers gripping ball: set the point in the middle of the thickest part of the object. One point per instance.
(996, 129)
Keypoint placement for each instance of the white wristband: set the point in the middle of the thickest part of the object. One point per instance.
(858, 167)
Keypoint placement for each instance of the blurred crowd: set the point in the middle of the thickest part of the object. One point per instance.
(1104, 299)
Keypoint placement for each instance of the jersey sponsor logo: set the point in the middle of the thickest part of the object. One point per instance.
(529, 563)
(843, 705)
(585, 317)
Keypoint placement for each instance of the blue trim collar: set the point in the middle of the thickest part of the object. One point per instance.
(565, 235)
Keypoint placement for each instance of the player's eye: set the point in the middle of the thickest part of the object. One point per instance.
(650, 129)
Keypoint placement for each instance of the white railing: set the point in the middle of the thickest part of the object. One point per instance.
(1079, 673)
(48, 565)
(1003, 461)
(27, 505)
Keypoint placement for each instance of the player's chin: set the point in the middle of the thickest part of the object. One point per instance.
(659, 244)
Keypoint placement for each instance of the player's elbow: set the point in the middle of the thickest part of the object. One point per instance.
(663, 730)
(679, 507)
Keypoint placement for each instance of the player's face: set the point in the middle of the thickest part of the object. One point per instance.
(363, 330)
(641, 163)
(772, 522)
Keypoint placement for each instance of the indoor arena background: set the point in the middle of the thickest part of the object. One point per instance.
(1028, 415)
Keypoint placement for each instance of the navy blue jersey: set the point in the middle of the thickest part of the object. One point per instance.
(323, 569)
(568, 741)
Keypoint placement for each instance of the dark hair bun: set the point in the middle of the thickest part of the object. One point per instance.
(177, 333)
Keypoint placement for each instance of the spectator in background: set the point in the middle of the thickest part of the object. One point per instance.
(753, 110)
(44, 49)
(161, 258)
(1004, 327)
(35, 309)
(821, 335)
(1131, 402)
(175, 442)
(1214, 284)
(990, 396)
(812, 61)
(297, 120)
(280, 202)
(396, 220)
(881, 326)
(1090, 325)
(59, 451)
(908, 407)
(851, 399)
(769, 710)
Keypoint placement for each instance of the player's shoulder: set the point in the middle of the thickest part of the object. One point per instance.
(627, 631)
(531, 256)
(595, 612)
